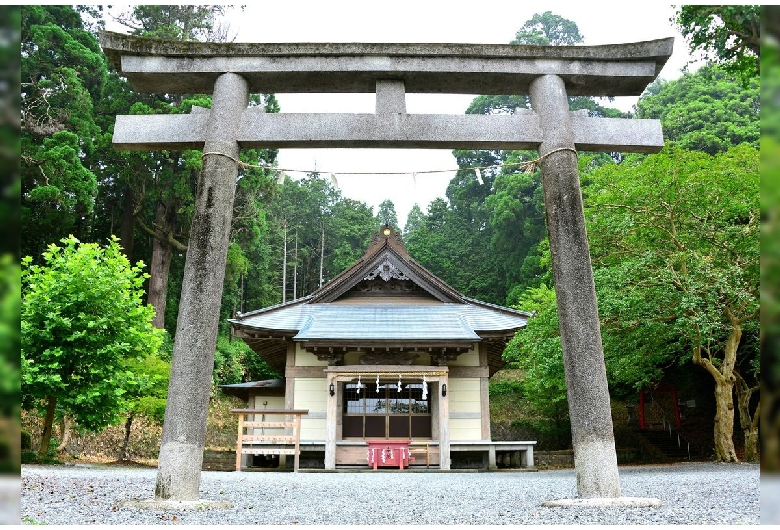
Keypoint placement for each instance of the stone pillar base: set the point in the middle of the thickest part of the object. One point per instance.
(158, 504)
(605, 502)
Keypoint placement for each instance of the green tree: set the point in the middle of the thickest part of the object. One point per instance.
(537, 352)
(82, 319)
(770, 243)
(306, 212)
(386, 215)
(10, 235)
(251, 278)
(352, 230)
(500, 211)
(708, 110)
(10, 106)
(146, 391)
(727, 34)
(675, 241)
(319, 232)
(414, 221)
(235, 362)
(428, 244)
(179, 22)
(10, 303)
(548, 29)
(160, 202)
(63, 72)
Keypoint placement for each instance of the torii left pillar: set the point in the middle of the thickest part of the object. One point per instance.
(184, 430)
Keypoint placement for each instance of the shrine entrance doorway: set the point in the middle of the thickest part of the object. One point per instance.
(382, 411)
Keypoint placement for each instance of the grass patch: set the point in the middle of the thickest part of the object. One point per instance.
(30, 520)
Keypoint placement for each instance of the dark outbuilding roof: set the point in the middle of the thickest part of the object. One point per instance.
(271, 387)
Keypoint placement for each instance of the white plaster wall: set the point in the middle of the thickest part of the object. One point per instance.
(465, 409)
(470, 358)
(464, 395)
(311, 394)
(313, 429)
(463, 429)
(304, 358)
(274, 402)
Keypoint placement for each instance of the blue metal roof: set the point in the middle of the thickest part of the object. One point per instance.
(386, 322)
(377, 321)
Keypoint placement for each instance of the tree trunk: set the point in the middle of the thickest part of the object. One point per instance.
(161, 263)
(751, 445)
(48, 421)
(322, 252)
(747, 421)
(128, 425)
(284, 268)
(725, 378)
(724, 421)
(295, 269)
(127, 229)
(65, 431)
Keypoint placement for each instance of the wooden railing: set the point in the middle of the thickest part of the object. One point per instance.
(251, 443)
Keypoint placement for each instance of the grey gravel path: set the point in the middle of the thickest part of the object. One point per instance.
(692, 493)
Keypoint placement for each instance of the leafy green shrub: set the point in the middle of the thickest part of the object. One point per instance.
(31, 457)
(500, 388)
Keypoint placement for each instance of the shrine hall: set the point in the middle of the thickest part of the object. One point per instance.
(384, 353)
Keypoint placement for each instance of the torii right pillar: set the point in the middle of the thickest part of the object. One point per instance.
(595, 459)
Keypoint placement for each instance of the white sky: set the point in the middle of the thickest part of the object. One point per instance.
(454, 21)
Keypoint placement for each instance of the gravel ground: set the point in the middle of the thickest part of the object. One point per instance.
(770, 493)
(691, 493)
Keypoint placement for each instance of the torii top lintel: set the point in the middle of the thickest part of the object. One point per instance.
(187, 67)
(390, 70)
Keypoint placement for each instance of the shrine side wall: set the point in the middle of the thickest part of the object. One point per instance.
(465, 408)
(470, 358)
(267, 402)
(304, 358)
(310, 394)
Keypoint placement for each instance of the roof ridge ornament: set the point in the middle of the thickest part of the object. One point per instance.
(388, 236)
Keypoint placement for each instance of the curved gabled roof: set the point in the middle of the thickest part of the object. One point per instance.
(388, 321)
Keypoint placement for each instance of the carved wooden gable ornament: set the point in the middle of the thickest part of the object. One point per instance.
(386, 269)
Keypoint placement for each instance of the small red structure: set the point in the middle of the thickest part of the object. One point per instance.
(389, 453)
(652, 398)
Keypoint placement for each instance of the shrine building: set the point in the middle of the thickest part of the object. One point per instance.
(384, 351)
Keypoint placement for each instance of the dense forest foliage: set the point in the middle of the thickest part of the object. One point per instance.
(674, 235)
(674, 241)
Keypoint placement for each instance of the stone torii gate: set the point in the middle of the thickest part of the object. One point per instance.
(232, 71)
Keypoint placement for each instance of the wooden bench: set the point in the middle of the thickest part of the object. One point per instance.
(251, 443)
(419, 449)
